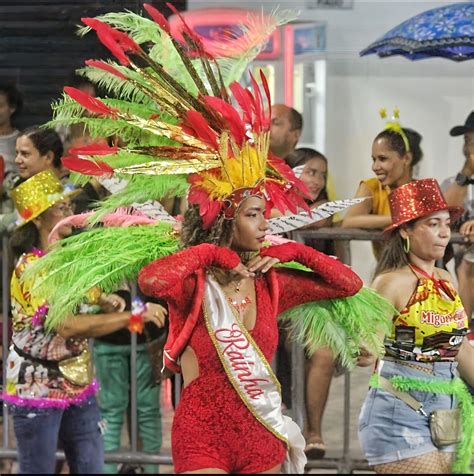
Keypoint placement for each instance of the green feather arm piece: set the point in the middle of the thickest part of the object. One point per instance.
(103, 257)
(457, 388)
(344, 325)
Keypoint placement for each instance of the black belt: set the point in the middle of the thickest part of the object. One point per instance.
(50, 364)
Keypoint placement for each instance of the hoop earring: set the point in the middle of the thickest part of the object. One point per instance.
(406, 244)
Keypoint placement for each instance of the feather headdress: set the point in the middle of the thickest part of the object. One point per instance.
(179, 133)
(185, 125)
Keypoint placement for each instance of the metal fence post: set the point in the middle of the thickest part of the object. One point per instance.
(133, 386)
(298, 384)
(5, 312)
(346, 462)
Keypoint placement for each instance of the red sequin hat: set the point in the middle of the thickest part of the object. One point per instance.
(417, 199)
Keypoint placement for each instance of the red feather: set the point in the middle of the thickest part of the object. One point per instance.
(87, 167)
(287, 172)
(241, 96)
(276, 196)
(158, 18)
(94, 149)
(109, 42)
(196, 121)
(90, 103)
(290, 204)
(213, 210)
(208, 208)
(228, 112)
(297, 200)
(258, 105)
(105, 67)
(268, 119)
(201, 51)
(91, 22)
(281, 167)
(116, 41)
(268, 208)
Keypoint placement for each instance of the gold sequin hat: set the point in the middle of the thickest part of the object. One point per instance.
(37, 194)
(417, 199)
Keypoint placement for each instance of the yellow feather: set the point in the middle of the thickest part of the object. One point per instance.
(242, 171)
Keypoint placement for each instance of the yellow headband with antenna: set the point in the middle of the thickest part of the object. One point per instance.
(394, 125)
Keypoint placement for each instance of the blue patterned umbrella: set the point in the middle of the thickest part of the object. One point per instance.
(447, 32)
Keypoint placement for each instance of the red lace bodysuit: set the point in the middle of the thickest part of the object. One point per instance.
(212, 427)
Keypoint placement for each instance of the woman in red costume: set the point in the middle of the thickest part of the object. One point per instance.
(213, 430)
(223, 290)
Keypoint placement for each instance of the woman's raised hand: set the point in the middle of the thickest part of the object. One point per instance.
(261, 263)
(258, 264)
(242, 271)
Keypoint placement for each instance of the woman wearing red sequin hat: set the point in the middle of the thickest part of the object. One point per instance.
(410, 421)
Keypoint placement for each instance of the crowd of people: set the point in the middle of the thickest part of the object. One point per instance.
(216, 284)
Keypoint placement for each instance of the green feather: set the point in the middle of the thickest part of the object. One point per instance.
(137, 109)
(457, 388)
(116, 86)
(294, 265)
(142, 188)
(100, 127)
(345, 325)
(160, 47)
(124, 158)
(103, 257)
(141, 29)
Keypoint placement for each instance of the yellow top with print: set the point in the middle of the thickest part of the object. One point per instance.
(432, 325)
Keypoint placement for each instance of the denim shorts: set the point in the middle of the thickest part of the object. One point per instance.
(390, 430)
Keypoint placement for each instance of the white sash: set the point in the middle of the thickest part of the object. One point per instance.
(250, 373)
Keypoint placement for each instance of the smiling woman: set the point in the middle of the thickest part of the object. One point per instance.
(395, 152)
(38, 149)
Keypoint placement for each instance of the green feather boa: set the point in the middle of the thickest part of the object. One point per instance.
(458, 389)
(345, 325)
(103, 257)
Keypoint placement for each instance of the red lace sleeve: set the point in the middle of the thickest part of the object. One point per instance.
(330, 278)
(164, 277)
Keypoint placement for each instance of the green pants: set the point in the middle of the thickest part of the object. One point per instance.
(112, 364)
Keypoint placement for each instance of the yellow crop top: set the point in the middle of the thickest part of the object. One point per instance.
(432, 325)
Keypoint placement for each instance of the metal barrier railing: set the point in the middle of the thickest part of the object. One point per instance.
(344, 464)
